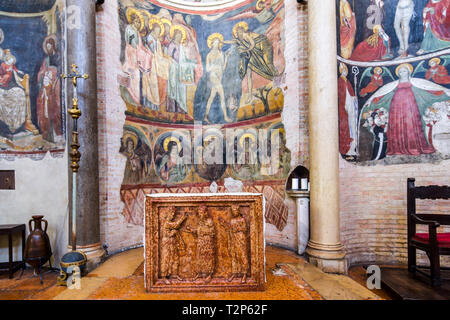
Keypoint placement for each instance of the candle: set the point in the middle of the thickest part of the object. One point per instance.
(294, 183)
(304, 184)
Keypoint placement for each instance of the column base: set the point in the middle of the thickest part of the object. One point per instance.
(328, 258)
(94, 253)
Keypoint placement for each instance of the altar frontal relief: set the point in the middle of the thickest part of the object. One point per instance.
(204, 243)
(31, 104)
(394, 97)
(203, 94)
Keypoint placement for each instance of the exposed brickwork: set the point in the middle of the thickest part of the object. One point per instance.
(115, 231)
(373, 208)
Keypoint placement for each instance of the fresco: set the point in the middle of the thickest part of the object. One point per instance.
(31, 102)
(393, 85)
(203, 99)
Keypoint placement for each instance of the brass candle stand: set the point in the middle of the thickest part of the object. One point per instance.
(74, 258)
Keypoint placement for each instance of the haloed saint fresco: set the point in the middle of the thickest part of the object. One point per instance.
(31, 108)
(394, 97)
(221, 70)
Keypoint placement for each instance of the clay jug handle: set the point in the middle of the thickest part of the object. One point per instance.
(29, 224)
(46, 225)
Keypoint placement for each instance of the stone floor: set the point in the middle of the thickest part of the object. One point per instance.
(289, 277)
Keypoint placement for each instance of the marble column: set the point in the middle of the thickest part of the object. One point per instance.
(324, 247)
(81, 50)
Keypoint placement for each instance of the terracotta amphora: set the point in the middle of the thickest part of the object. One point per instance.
(37, 248)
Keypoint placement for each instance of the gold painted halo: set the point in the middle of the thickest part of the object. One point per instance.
(132, 136)
(177, 27)
(403, 65)
(260, 5)
(215, 36)
(209, 138)
(437, 60)
(246, 135)
(343, 67)
(241, 24)
(169, 139)
(47, 39)
(148, 14)
(277, 131)
(377, 69)
(133, 11)
(376, 28)
(153, 21)
(166, 21)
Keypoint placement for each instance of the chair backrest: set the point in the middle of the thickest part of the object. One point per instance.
(423, 192)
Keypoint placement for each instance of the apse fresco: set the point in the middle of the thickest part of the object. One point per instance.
(31, 104)
(203, 94)
(393, 87)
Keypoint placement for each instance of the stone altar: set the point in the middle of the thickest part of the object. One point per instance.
(204, 242)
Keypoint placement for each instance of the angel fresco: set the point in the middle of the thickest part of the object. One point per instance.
(139, 157)
(264, 12)
(406, 100)
(437, 72)
(436, 23)
(376, 79)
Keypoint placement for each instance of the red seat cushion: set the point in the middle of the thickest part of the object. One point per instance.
(442, 238)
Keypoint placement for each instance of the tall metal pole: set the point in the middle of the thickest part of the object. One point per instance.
(74, 154)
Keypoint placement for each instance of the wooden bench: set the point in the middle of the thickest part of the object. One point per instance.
(9, 230)
(433, 243)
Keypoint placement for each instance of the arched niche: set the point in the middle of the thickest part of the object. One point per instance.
(299, 172)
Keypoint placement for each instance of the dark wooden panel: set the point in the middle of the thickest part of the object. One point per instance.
(7, 180)
(406, 286)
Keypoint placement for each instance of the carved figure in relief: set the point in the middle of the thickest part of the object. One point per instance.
(171, 243)
(238, 231)
(205, 254)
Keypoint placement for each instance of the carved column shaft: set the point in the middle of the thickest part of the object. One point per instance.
(324, 248)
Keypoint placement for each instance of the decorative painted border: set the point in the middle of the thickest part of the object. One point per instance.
(201, 8)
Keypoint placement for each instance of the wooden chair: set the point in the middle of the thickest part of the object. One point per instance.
(433, 243)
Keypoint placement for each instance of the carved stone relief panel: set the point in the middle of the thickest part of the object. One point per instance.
(208, 242)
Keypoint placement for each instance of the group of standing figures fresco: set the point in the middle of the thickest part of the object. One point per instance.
(393, 87)
(216, 70)
(184, 67)
(31, 115)
(197, 242)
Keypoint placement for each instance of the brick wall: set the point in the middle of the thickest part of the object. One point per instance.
(373, 208)
(115, 231)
